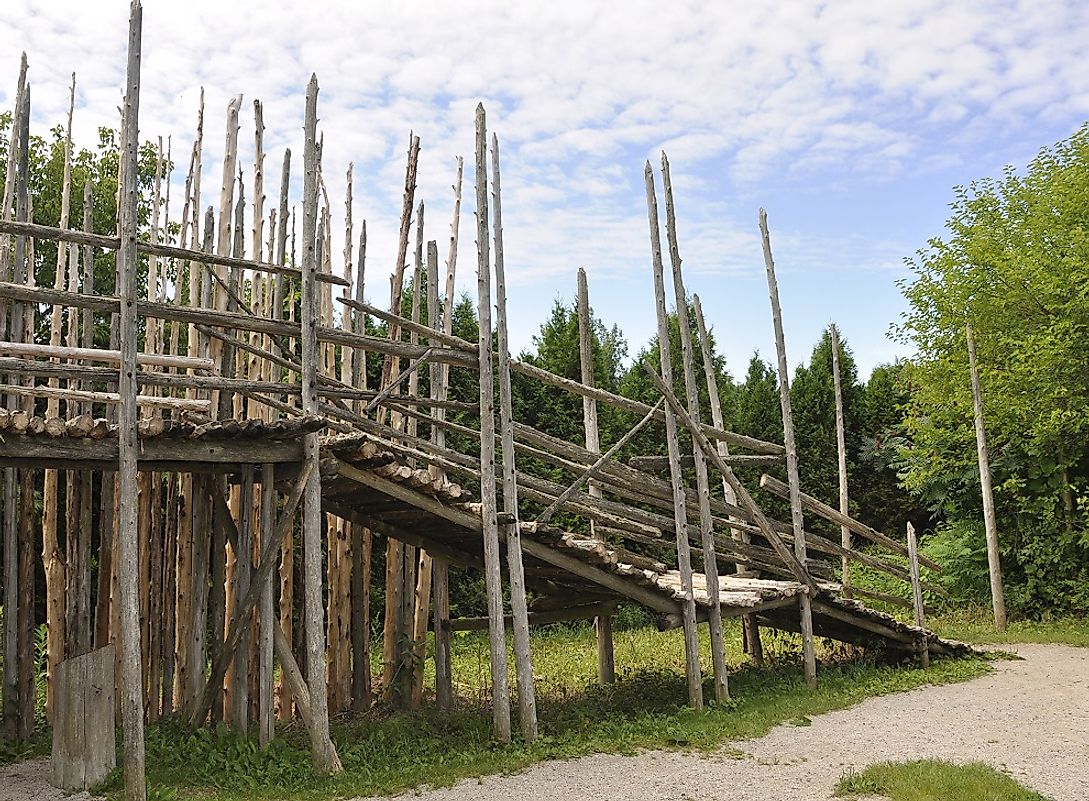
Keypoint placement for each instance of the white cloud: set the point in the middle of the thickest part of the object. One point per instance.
(744, 97)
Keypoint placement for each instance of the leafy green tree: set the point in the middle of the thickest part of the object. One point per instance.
(1014, 265)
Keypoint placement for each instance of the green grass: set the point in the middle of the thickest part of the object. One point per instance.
(977, 626)
(646, 708)
(934, 780)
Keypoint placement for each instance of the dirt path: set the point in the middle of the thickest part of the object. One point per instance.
(1029, 718)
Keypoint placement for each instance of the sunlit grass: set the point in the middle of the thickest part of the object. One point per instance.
(934, 780)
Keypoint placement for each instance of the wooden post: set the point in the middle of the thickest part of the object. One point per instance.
(804, 601)
(680, 514)
(703, 491)
(52, 559)
(606, 663)
(324, 753)
(917, 594)
(841, 452)
(444, 691)
(488, 513)
(362, 538)
(527, 702)
(750, 628)
(994, 563)
(132, 705)
(15, 174)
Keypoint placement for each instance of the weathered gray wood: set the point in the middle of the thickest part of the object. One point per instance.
(252, 593)
(680, 513)
(917, 591)
(103, 355)
(743, 496)
(750, 629)
(994, 561)
(703, 490)
(595, 469)
(661, 463)
(84, 750)
(809, 658)
(492, 574)
(264, 578)
(229, 320)
(777, 487)
(36, 231)
(132, 703)
(620, 402)
(16, 174)
(841, 454)
(440, 577)
(323, 752)
(602, 627)
(543, 618)
(523, 665)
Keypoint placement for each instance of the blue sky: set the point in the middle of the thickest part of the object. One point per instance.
(850, 122)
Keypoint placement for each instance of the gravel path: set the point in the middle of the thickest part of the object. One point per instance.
(1029, 718)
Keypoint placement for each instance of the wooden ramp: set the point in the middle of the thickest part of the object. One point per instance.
(366, 483)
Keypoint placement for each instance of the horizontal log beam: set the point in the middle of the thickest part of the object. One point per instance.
(657, 463)
(543, 618)
(46, 232)
(777, 487)
(176, 451)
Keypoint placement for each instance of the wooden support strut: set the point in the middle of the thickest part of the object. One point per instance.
(762, 522)
(680, 513)
(132, 705)
(809, 659)
(239, 625)
(492, 573)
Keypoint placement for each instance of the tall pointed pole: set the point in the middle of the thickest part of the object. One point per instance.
(493, 577)
(841, 453)
(703, 490)
(527, 703)
(805, 608)
(680, 516)
(603, 624)
(323, 752)
(132, 700)
(994, 565)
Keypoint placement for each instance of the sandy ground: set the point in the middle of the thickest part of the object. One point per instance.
(1029, 718)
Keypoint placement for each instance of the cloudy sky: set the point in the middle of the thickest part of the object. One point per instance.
(849, 121)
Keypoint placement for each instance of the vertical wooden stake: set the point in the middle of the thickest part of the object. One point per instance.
(603, 626)
(749, 626)
(492, 571)
(703, 490)
(994, 562)
(11, 484)
(841, 452)
(680, 516)
(324, 753)
(805, 610)
(527, 702)
(132, 705)
(917, 593)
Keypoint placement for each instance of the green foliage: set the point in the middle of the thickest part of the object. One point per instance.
(1015, 264)
(934, 780)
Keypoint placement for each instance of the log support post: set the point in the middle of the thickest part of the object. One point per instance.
(805, 611)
